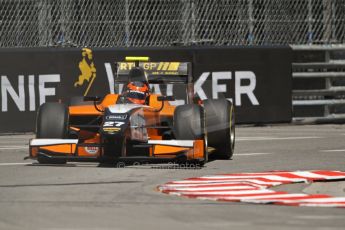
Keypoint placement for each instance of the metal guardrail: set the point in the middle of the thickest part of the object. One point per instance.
(319, 65)
(318, 102)
(318, 74)
(320, 92)
(331, 96)
(331, 47)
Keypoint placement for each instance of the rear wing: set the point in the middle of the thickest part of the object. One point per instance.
(157, 72)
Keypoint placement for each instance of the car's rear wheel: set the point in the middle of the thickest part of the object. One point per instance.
(52, 122)
(189, 124)
(220, 127)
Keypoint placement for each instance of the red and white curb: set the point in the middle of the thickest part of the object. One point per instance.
(253, 188)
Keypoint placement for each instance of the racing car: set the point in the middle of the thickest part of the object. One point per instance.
(134, 124)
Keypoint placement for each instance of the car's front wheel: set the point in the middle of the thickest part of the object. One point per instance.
(189, 124)
(52, 122)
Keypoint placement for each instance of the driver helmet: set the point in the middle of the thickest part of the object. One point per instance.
(137, 92)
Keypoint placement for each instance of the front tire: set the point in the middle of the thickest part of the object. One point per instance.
(189, 124)
(52, 122)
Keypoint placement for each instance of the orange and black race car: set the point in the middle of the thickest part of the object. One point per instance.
(136, 125)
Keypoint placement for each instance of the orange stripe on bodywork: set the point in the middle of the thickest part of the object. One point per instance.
(199, 149)
(66, 148)
(197, 152)
(168, 109)
(83, 110)
(163, 149)
(33, 152)
(75, 129)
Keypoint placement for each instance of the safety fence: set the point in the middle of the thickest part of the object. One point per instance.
(133, 23)
(319, 84)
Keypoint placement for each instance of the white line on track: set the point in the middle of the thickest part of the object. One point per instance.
(251, 154)
(9, 147)
(333, 150)
(12, 164)
(273, 138)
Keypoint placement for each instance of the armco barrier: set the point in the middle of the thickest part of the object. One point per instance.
(318, 74)
(256, 79)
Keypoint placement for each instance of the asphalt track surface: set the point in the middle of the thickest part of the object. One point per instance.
(85, 196)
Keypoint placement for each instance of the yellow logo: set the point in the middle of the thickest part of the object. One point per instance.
(87, 69)
(111, 129)
(154, 66)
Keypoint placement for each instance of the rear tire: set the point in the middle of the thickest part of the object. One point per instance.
(220, 127)
(52, 122)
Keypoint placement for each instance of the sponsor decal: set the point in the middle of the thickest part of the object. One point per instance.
(245, 83)
(87, 69)
(25, 90)
(111, 129)
(155, 68)
(221, 88)
(91, 150)
(115, 117)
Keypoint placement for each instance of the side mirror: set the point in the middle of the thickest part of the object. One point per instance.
(166, 98)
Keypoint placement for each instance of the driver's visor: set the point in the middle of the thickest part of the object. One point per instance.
(136, 95)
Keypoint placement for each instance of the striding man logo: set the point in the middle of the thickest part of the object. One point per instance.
(87, 69)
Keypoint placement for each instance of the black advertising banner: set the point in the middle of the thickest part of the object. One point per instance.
(30, 77)
(257, 80)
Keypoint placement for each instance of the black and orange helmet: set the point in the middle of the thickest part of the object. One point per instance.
(137, 92)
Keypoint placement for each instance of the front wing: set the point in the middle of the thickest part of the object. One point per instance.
(160, 151)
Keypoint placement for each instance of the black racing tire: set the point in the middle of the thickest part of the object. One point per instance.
(188, 124)
(52, 122)
(220, 127)
(79, 100)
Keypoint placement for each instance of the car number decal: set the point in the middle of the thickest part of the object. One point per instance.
(113, 123)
